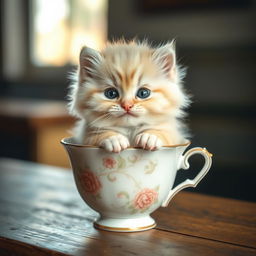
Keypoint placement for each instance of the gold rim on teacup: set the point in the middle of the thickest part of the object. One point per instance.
(67, 141)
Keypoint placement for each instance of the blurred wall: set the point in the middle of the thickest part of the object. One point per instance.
(203, 27)
(218, 47)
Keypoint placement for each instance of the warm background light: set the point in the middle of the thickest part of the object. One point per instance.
(61, 27)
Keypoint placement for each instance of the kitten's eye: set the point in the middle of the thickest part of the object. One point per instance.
(143, 93)
(111, 93)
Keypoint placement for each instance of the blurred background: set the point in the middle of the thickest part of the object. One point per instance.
(40, 41)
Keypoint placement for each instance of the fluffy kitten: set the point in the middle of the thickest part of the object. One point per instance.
(129, 94)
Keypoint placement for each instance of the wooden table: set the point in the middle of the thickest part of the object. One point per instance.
(41, 213)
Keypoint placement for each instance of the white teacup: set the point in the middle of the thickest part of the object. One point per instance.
(126, 188)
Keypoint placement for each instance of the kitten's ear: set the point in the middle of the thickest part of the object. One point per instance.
(165, 58)
(88, 60)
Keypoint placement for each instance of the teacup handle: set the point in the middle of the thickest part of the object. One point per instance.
(185, 165)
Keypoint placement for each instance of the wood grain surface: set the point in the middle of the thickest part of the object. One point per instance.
(41, 213)
(220, 219)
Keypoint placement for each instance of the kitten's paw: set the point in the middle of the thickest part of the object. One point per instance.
(148, 141)
(115, 143)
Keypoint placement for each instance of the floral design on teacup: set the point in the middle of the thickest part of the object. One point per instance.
(114, 166)
(109, 162)
(120, 165)
(111, 167)
(142, 201)
(145, 198)
(90, 182)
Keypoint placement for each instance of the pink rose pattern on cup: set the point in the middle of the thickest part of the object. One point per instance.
(144, 198)
(90, 182)
(109, 162)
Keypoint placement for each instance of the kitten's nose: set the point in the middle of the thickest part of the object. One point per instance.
(127, 106)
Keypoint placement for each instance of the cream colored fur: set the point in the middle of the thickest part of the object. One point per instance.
(151, 122)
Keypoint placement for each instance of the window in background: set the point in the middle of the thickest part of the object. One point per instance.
(61, 27)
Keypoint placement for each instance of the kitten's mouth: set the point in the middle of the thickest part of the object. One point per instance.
(129, 114)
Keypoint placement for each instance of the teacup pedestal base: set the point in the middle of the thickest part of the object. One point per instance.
(125, 225)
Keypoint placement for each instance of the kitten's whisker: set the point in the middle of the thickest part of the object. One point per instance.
(98, 129)
(97, 119)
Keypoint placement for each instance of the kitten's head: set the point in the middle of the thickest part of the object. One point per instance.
(128, 84)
